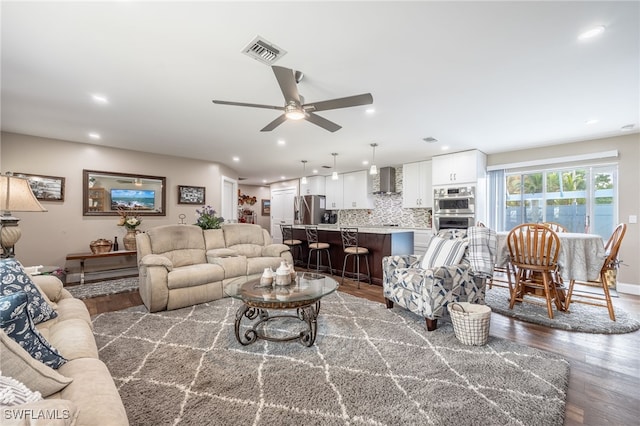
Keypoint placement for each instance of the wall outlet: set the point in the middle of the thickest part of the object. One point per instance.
(633, 218)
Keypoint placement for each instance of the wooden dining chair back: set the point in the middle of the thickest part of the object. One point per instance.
(295, 246)
(610, 264)
(533, 251)
(555, 227)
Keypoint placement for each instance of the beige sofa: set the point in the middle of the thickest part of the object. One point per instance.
(82, 387)
(183, 265)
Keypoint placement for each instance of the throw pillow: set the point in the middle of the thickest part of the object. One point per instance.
(443, 252)
(17, 363)
(14, 279)
(16, 322)
(12, 392)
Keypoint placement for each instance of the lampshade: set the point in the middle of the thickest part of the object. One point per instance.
(16, 195)
(373, 170)
(334, 175)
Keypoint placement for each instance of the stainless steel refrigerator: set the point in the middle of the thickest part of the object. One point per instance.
(309, 209)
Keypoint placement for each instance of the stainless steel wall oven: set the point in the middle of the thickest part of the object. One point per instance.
(454, 207)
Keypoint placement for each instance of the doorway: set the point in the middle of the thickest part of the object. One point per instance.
(229, 203)
(282, 210)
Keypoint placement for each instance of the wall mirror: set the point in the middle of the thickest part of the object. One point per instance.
(105, 192)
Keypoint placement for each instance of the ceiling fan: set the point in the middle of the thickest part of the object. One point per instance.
(295, 108)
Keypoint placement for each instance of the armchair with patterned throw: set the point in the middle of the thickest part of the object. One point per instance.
(454, 268)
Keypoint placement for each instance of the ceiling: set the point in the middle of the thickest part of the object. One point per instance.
(497, 76)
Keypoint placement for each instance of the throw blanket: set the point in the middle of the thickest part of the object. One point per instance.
(483, 250)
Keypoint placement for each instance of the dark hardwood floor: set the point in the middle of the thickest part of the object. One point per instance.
(604, 382)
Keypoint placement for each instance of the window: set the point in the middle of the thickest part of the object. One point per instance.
(582, 198)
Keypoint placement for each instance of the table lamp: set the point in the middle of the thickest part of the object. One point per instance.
(15, 195)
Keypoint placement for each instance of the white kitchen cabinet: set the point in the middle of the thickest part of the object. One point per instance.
(358, 190)
(315, 186)
(334, 191)
(459, 168)
(416, 185)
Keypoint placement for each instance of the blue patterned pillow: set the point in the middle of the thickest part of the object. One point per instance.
(14, 279)
(17, 323)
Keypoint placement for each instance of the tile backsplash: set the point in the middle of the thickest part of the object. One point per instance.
(387, 210)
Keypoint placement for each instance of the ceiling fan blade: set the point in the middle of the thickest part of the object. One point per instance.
(215, 101)
(349, 101)
(287, 82)
(322, 122)
(275, 123)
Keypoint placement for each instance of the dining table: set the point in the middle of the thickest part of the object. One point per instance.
(580, 257)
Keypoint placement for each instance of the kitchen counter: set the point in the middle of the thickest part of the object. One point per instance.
(367, 229)
(381, 241)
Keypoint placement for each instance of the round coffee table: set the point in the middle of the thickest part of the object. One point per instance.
(303, 295)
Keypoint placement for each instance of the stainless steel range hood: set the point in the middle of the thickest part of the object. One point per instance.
(387, 181)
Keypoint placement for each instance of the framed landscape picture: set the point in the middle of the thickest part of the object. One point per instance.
(45, 188)
(191, 194)
(266, 207)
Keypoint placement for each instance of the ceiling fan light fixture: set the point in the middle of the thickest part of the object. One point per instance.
(293, 112)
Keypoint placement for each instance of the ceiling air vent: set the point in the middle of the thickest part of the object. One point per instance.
(263, 51)
(430, 139)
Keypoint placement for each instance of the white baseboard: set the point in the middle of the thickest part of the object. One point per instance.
(628, 288)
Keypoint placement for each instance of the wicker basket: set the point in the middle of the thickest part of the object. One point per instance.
(470, 322)
(100, 246)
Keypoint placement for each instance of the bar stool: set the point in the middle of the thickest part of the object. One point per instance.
(294, 245)
(351, 248)
(318, 247)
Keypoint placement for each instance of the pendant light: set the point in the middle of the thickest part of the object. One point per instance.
(304, 177)
(334, 175)
(373, 170)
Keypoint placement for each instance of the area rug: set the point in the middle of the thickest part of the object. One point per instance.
(583, 318)
(369, 365)
(103, 288)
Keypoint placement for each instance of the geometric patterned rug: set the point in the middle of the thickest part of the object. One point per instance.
(369, 365)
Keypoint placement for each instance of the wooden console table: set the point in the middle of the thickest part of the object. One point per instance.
(82, 257)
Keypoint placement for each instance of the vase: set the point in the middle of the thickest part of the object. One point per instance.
(129, 239)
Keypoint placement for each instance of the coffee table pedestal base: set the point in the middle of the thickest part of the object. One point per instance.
(307, 314)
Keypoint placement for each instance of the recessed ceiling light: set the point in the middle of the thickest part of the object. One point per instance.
(593, 32)
(99, 99)
(283, 177)
(592, 121)
(236, 159)
(95, 136)
(444, 148)
(281, 142)
(365, 162)
(264, 181)
(370, 110)
(628, 127)
(315, 171)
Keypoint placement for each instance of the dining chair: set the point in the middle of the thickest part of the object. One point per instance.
(317, 247)
(610, 264)
(350, 247)
(555, 227)
(533, 251)
(294, 245)
(504, 273)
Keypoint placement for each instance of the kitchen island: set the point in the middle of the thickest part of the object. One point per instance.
(381, 242)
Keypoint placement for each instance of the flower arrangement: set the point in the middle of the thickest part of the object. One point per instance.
(128, 220)
(246, 199)
(206, 218)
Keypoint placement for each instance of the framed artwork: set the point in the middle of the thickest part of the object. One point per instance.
(191, 194)
(266, 207)
(45, 188)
